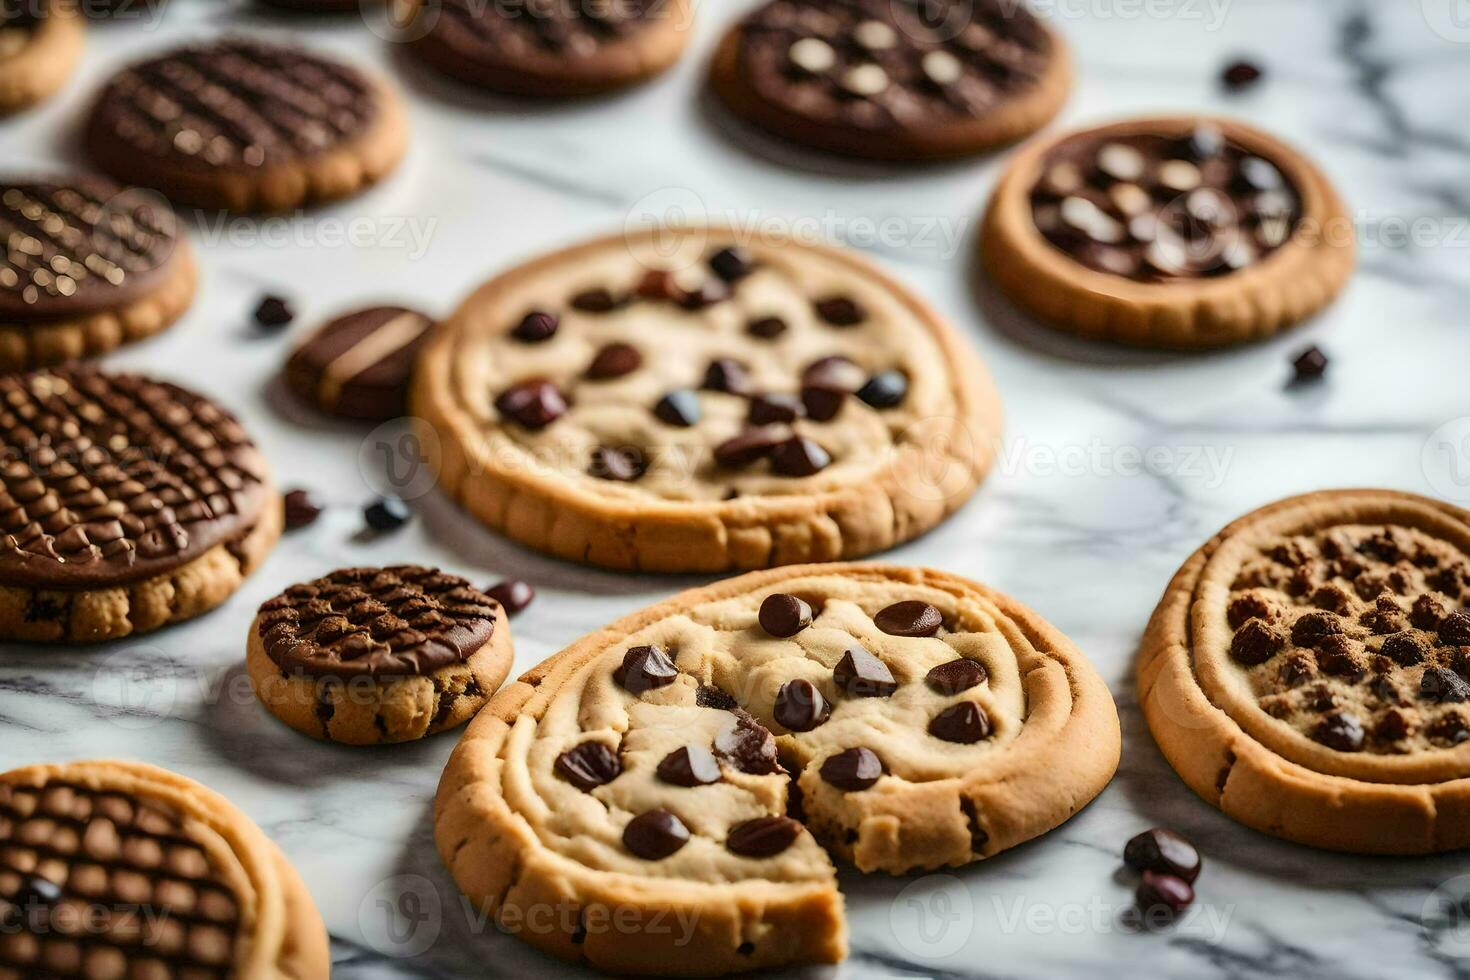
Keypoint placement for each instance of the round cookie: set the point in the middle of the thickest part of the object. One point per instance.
(549, 49)
(1306, 672)
(40, 44)
(170, 878)
(90, 266)
(1181, 231)
(248, 125)
(366, 656)
(671, 400)
(126, 504)
(358, 365)
(892, 81)
(689, 764)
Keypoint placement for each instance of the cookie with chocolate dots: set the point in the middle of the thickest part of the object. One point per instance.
(40, 44)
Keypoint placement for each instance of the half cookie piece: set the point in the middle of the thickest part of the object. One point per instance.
(246, 124)
(115, 869)
(366, 656)
(88, 266)
(1307, 672)
(675, 777)
(675, 401)
(1178, 231)
(893, 79)
(40, 44)
(126, 504)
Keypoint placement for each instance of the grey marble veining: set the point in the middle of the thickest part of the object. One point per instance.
(1375, 91)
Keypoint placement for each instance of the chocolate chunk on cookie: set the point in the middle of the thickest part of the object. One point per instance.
(40, 45)
(358, 365)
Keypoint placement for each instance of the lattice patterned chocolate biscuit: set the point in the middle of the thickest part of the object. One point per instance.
(1307, 671)
(893, 78)
(126, 504)
(112, 869)
(246, 124)
(550, 47)
(692, 762)
(40, 43)
(371, 655)
(710, 407)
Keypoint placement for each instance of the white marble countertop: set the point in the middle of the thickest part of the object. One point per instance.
(1067, 524)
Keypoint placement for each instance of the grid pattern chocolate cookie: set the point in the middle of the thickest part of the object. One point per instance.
(371, 655)
(358, 365)
(695, 762)
(40, 44)
(246, 124)
(126, 504)
(87, 266)
(550, 49)
(1176, 232)
(113, 869)
(893, 79)
(1307, 672)
(677, 401)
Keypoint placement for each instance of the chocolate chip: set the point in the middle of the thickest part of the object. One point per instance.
(854, 770)
(800, 707)
(588, 766)
(784, 615)
(799, 456)
(747, 745)
(964, 723)
(1450, 729)
(1163, 852)
(709, 292)
(1205, 142)
(911, 617)
(775, 409)
(659, 284)
(1339, 658)
(512, 594)
(533, 404)
(1248, 606)
(655, 835)
(274, 312)
(386, 514)
(732, 264)
(748, 447)
(1404, 649)
(766, 327)
(1298, 670)
(614, 361)
(822, 403)
(1441, 686)
(1428, 612)
(693, 765)
(302, 508)
(645, 668)
(956, 676)
(834, 371)
(1340, 731)
(1454, 629)
(1255, 643)
(535, 327)
(1313, 628)
(728, 375)
(841, 311)
(1384, 688)
(885, 389)
(1394, 726)
(595, 301)
(712, 697)
(1163, 894)
(679, 407)
(763, 837)
(1259, 175)
(863, 675)
(618, 465)
(1240, 75)
(1309, 365)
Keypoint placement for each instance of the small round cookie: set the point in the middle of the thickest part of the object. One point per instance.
(89, 266)
(367, 656)
(1181, 232)
(126, 504)
(358, 365)
(673, 400)
(1306, 672)
(117, 869)
(246, 124)
(549, 49)
(40, 44)
(893, 81)
(690, 763)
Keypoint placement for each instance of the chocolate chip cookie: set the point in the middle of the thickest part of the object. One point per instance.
(40, 44)
(676, 400)
(116, 869)
(549, 48)
(246, 124)
(893, 79)
(1307, 672)
(358, 365)
(696, 761)
(366, 656)
(88, 266)
(126, 504)
(1182, 232)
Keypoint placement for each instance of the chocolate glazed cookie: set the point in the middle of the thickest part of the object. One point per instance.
(367, 656)
(125, 504)
(1308, 672)
(358, 365)
(893, 79)
(1182, 232)
(40, 44)
(248, 125)
(550, 47)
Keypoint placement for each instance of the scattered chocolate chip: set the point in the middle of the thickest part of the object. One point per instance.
(956, 676)
(693, 765)
(535, 327)
(1164, 852)
(834, 371)
(820, 403)
(841, 311)
(386, 514)
(1340, 658)
(763, 837)
(708, 293)
(618, 465)
(1309, 365)
(679, 407)
(1340, 731)
(1450, 728)
(1246, 607)
(1163, 893)
(747, 745)
(655, 835)
(1394, 726)
(302, 508)
(1441, 686)
(645, 668)
(1240, 75)
(732, 264)
(799, 456)
(1454, 629)
(597, 300)
(1298, 670)
(748, 447)
(1255, 643)
(712, 697)
(775, 409)
(512, 594)
(1312, 628)
(728, 375)
(853, 770)
(274, 312)
(614, 361)
(800, 707)
(784, 615)
(911, 617)
(885, 389)
(588, 766)
(659, 284)
(964, 723)
(1428, 612)
(1385, 690)
(533, 404)
(766, 327)
(1404, 649)
(863, 675)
